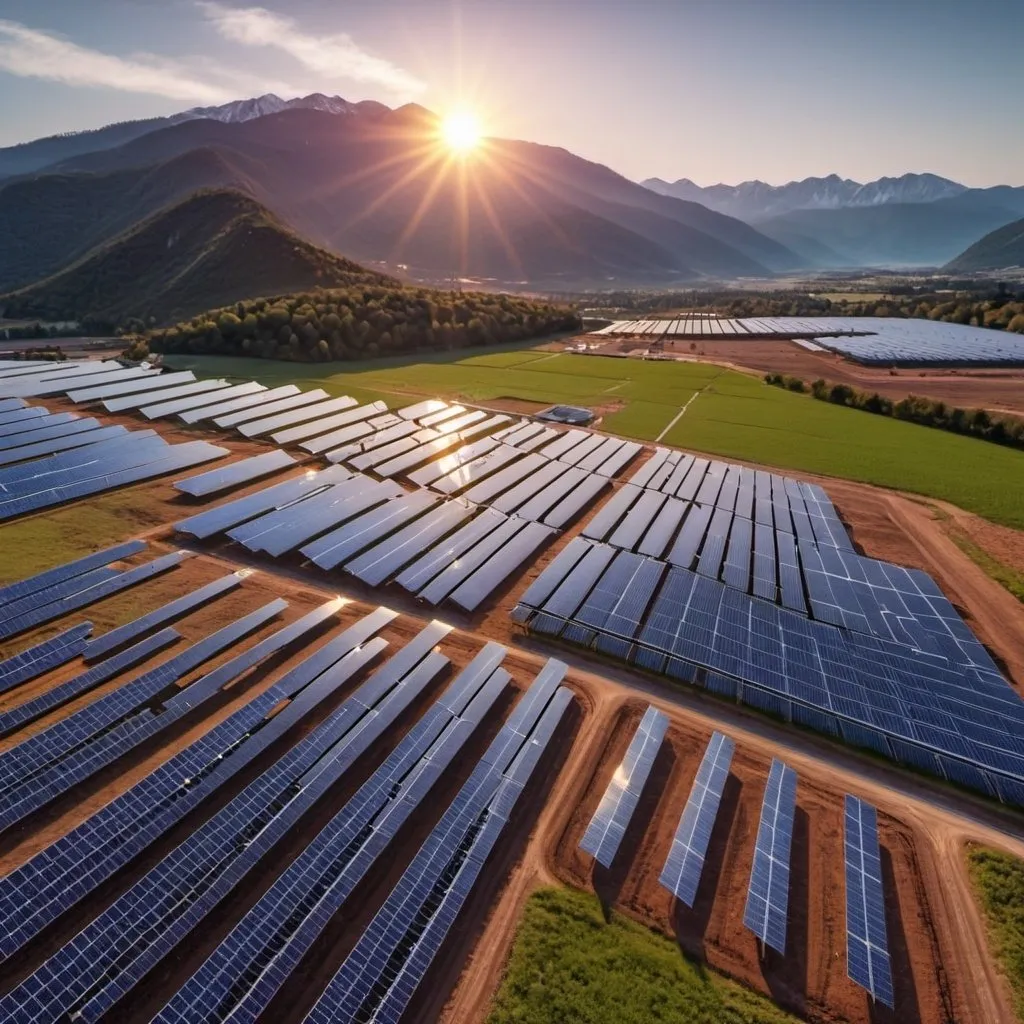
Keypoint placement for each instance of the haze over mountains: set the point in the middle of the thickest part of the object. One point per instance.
(912, 220)
(374, 185)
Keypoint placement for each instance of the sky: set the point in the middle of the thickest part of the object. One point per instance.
(711, 90)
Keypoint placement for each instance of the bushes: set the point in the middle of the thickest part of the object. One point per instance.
(927, 412)
(362, 322)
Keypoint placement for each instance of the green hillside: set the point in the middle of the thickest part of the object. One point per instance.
(211, 249)
(1001, 248)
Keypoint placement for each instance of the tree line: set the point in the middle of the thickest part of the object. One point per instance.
(361, 323)
(928, 412)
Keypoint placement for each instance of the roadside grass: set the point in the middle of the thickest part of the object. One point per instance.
(567, 964)
(1007, 577)
(735, 416)
(999, 887)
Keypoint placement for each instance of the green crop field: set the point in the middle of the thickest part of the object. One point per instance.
(999, 885)
(733, 415)
(569, 965)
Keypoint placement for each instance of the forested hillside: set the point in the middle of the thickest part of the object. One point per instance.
(363, 322)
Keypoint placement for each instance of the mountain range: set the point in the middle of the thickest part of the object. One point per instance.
(833, 222)
(376, 185)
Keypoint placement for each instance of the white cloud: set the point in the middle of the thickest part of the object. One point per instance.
(331, 57)
(31, 53)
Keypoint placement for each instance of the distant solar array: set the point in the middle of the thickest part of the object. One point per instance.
(871, 340)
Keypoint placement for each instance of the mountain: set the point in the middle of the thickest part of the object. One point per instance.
(755, 201)
(211, 249)
(52, 220)
(901, 234)
(381, 188)
(30, 157)
(998, 250)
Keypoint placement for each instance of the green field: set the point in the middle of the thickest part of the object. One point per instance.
(999, 885)
(734, 415)
(569, 965)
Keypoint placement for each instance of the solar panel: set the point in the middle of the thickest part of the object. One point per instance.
(151, 382)
(42, 657)
(268, 424)
(685, 863)
(493, 573)
(238, 405)
(767, 906)
(265, 410)
(421, 409)
(237, 473)
(41, 581)
(187, 403)
(610, 821)
(867, 944)
(120, 635)
(325, 423)
(139, 399)
(65, 443)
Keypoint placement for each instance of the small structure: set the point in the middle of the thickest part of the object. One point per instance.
(571, 414)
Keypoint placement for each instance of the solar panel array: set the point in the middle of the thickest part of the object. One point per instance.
(43, 466)
(871, 340)
(778, 611)
(867, 944)
(383, 970)
(607, 827)
(767, 906)
(685, 862)
(479, 511)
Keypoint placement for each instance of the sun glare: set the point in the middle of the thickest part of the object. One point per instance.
(461, 132)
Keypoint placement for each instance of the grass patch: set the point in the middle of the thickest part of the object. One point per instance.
(735, 416)
(63, 534)
(569, 965)
(999, 885)
(1004, 575)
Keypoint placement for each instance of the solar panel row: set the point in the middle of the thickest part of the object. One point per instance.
(608, 825)
(767, 907)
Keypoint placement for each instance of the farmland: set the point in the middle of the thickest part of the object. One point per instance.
(735, 415)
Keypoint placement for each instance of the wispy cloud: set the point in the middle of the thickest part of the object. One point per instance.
(334, 57)
(32, 53)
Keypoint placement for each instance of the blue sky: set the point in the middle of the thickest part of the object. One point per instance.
(713, 90)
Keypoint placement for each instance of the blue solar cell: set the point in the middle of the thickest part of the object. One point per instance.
(767, 905)
(685, 863)
(611, 819)
(237, 473)
(34, 661)
(867, 945)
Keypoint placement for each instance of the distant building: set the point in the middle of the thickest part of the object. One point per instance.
(571, 414)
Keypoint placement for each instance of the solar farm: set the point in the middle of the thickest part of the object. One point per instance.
(297, 746)
(870, 341)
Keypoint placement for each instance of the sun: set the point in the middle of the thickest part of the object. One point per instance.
(460, 132)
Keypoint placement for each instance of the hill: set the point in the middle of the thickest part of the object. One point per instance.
(362, 321)
(999, 249)
(211, 249)
(50, 221)
(381, 188)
